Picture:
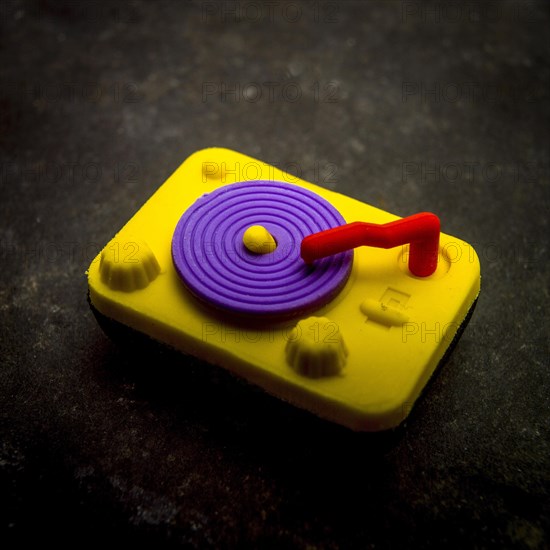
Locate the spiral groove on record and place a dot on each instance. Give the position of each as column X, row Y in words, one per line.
column 211, row 259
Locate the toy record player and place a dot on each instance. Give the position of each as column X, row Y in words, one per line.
column 326, row 302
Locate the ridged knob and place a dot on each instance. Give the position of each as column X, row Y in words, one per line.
column 128, row 264
column 316, row 348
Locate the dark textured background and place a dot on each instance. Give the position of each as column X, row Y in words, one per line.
column 408, row 106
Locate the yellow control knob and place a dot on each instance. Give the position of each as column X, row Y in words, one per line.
column 315, row 348
column 128, row 264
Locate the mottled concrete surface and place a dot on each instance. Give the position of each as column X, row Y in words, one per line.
column 408, row 106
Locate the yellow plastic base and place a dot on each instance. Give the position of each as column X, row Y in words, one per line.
column 361, row 360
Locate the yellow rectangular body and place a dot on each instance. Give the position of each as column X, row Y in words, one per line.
column 396, row 327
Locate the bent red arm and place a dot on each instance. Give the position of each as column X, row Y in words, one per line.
column 420, row 230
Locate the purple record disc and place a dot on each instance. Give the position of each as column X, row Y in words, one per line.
column 211, row 259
